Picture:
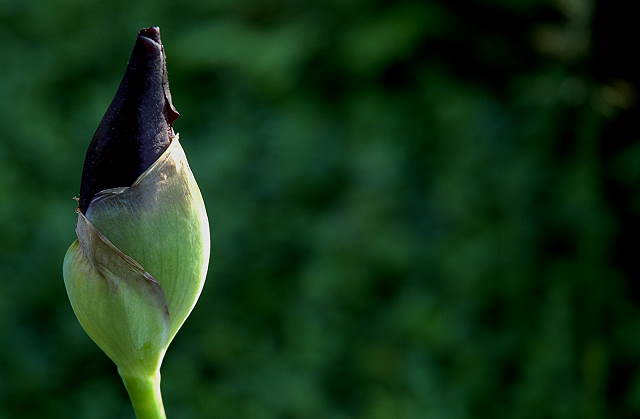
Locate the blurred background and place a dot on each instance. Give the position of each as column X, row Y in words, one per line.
column 420, row 209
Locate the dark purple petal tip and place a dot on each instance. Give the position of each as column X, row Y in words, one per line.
column 137, row 127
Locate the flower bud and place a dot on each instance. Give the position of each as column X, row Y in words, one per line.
column 139, row 263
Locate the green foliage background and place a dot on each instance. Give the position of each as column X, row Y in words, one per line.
column 412, row 213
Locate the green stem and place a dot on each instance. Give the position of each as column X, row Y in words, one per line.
column 145, row 396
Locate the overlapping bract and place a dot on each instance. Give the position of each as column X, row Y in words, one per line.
column 140, row 261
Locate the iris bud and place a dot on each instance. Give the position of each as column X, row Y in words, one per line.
column 141, row 255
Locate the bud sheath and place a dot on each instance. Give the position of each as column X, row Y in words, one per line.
column 140, row 259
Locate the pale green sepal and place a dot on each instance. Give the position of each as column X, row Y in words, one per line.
column 161, row 222
column 120, row 306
